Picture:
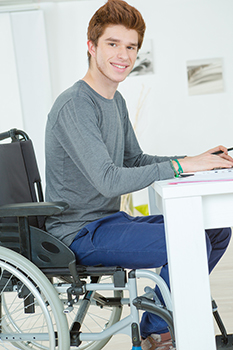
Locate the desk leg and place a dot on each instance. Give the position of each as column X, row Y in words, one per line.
column 189, row 278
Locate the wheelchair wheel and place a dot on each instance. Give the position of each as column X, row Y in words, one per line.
column 31, row 314
column 97, row 318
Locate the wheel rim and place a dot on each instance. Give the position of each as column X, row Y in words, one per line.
column 14, row 321
column 17, row 273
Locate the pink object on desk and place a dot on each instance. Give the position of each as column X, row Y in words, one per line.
column 197, row 181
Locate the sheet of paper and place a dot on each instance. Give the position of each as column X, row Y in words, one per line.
column 205, row 176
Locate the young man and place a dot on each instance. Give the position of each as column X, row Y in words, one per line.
column 93, row 157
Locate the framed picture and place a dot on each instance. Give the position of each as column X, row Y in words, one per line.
column 205, row 76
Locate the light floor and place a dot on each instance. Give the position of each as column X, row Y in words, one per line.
column 221, row 281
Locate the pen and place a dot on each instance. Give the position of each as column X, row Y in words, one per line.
column 219, row 152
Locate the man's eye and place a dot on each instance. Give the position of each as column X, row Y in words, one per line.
column 112, row 44
column 131, row 47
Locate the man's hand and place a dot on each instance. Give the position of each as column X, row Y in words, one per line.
column 207, row 161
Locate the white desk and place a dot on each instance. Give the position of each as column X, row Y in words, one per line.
column 188, row 209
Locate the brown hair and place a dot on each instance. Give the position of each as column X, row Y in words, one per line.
column 112, row 13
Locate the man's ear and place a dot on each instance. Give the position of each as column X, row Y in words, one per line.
column 91, row 48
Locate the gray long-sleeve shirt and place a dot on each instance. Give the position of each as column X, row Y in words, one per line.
column 92, row 158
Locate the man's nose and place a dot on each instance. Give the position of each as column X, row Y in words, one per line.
column 122, row 52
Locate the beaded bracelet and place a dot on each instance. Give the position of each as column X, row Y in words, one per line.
column 173, row 168
column 180, row 170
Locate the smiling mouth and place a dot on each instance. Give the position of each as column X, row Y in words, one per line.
column 118, row 66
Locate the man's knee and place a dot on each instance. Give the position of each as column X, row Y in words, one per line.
column 226, row 236
column 219, row 237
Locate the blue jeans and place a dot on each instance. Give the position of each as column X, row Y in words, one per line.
column 138, row 242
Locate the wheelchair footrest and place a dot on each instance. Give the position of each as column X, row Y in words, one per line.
column 223, row 343
column 143, row 303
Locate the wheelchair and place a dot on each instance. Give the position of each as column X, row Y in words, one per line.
column 47, row 300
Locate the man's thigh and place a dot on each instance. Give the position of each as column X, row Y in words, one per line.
column 122, row 240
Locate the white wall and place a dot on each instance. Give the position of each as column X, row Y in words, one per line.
column 25, row 78
column 170, row 121
column 33, row 75
column 10, row 104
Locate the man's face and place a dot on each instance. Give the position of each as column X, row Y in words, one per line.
column 115, row 54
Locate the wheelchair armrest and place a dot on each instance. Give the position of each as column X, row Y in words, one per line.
column 32, row 209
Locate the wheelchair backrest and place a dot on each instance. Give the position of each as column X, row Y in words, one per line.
column 20, row 183
column 20, row 180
